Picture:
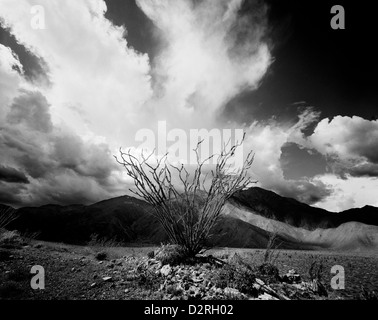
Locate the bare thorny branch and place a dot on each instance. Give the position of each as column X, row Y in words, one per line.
column 7, row 215
column 187, row 216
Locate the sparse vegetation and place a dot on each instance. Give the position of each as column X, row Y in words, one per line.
column 170, row 254
column 237, row 274
column 11, row 239
column 367, row 295
column 76, row 273
column 97, row 241
column 271, row 254
column 101, row 256
column 7, row 215
column 147, row 277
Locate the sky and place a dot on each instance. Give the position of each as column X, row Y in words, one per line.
column 99, row 72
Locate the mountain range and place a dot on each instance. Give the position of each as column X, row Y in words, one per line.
column 248, row 220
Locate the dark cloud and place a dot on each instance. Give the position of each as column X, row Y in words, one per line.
column 365, row 170
column 10, row 193
column 94, row 160
column 344, row 169
column 12, row 175
column 35, row 69
column 65, row 168
column 32, row 109
column 306, row 191
column 27, row 149
column 297, row 162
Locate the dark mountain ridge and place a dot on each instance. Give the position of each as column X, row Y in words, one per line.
column 130, row 220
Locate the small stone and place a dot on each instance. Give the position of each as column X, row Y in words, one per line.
column 291, row 277
column 166, row 270
column 73, row 269
column 131, row 277
column 196, row 280
column 218, row 290
column 266, row 296
column 93, row 284
column 107, row 279
column 231, row 291
column 256, row 286
column 127, row 290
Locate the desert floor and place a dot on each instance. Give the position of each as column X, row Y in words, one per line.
column 75, row 272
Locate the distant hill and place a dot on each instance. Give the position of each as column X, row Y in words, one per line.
column 270, row 205
column 346, row 237
column 248, row 220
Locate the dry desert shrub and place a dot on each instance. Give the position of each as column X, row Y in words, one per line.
column 97, row 241
column 10, row 239
column 236, row 273
column 187, row 205
column 170, row 254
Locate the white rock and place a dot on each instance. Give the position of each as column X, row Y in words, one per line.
column 266, row 296
column 231, row 291
column 166, row 270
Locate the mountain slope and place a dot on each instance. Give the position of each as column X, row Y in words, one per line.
column 347, row 236
column 248, row 220
column 129, row 220
column 270, row 205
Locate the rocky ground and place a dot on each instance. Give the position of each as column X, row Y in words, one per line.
column 98, row 273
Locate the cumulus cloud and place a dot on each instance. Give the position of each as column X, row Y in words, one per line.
column 60, row 137
column 102, row 91
column 350, row 145
column 267, row 140
column 347, row 137
column 212, row 52
column 57, row 165
column 354, row 192
column 96, row 78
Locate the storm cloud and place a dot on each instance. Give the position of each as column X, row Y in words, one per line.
column 57, row 141
column 12, row 175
